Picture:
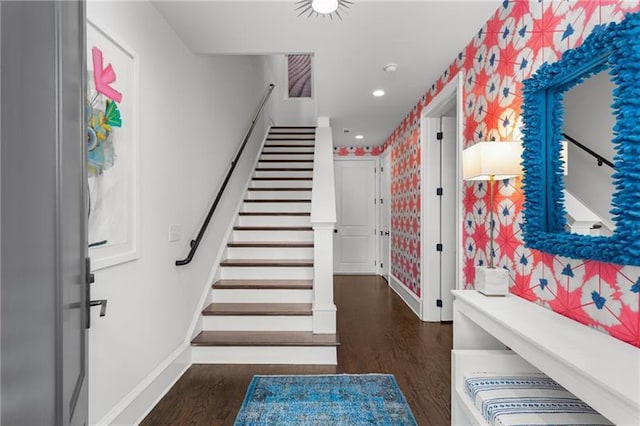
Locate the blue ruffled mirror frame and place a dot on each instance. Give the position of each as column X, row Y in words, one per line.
column 616, row 48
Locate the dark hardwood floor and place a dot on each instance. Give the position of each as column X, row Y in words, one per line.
column 378, row 334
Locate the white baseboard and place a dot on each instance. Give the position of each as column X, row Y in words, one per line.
column 318, row 355
column 134, row 407
column 405, row 294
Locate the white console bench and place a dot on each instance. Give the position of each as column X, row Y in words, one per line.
column 509, row 334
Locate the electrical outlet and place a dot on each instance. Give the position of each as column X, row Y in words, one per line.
column 175, row 233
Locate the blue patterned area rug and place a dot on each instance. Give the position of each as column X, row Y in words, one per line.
column 345, row 399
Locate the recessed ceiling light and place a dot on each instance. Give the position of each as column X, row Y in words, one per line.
column 378, row 93
column 359, row 137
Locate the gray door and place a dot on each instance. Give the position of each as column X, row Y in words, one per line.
column 43, row 214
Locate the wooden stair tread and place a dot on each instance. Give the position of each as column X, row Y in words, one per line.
column 266, row 309
column 264, row 338
column 263, row 285
column 304, row 263
column 274, row 244
column 272, row 228
column 280, row 189
column 287, row 153
column 283, row 169
column 285, row 161
column 282, row 178
column 275, row 214
column 279, row 200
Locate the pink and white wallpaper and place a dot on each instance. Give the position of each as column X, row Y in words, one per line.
column 514, row 42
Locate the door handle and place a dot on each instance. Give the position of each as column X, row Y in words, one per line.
column 103, row 305
column 386, row 232
column 335, row 231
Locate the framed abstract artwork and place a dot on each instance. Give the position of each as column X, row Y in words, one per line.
column 112, row 147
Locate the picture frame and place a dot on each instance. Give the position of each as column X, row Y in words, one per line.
column 112, row 149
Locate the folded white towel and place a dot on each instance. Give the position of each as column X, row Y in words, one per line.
column 527, row 399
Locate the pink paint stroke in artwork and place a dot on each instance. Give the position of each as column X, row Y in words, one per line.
column 103, row 77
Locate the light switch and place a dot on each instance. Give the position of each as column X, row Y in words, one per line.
column 175, row 233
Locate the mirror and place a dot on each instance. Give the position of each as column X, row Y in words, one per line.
column 587, row 132
column 549, row 115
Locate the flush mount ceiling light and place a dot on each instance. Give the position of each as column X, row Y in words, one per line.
column 378, row 93
column 390, row 68
column 322, row 7
column 359, row 137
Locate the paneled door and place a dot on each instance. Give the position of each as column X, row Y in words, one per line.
column 385, row 214
column 355, row 239
column 44, row 216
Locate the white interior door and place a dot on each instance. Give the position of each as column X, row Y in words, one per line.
column 385, row 214
column 354, row 240
column 448, row 216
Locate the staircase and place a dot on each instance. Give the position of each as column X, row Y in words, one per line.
column 260, row 308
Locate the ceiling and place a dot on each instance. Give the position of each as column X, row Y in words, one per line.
column 422, row 37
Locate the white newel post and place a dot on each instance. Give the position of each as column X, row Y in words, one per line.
column 323, row 220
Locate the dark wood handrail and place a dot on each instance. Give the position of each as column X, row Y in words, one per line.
column 601, row 160
column 195, row 243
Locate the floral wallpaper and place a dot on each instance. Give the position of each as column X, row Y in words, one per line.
column 514, row 42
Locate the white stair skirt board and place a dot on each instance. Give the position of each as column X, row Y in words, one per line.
column 267, row 273
column 285, row 165
column 322, row 355
column 280, row 173
column 285, row 156
column 272, row 235
column 282, row 253
column 268, row 220
column 262, row 296
column 298, row 194
column 292, row 206
column 257, row 323
column 281, row 184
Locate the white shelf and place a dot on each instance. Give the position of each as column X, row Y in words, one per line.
column 602, row 371
column 468, row 361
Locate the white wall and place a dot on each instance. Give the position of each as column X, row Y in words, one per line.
column 589, row 119
column 296, row 112
column 194, row 111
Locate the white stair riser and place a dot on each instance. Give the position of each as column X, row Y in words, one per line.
column 286, row 157
column 261, row 296
column 289, row 148
column 266, row 273
column 277, row 173
column 293, row 136
column 281, row 184
column 324, row 355
column 257, row 323
column 285, row 165
column 290, row 142
column 274, row 220
column 272, row 235
column 276, row 207
column 281, row 253
column 279, row 195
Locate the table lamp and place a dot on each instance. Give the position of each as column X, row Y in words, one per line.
column 491, row 161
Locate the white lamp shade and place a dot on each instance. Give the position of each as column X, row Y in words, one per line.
column 324, row 7
column 500, row 160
